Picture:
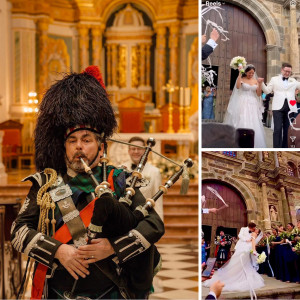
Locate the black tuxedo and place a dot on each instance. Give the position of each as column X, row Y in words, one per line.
column 210, row 297
column 281, row 126
column 206, row 51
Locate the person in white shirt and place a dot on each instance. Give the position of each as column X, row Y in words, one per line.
column 149, row 172
column 283, row 87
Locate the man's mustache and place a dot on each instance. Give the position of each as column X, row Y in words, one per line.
column 79, row 154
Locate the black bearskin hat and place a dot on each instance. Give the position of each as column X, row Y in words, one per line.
column 77, row 99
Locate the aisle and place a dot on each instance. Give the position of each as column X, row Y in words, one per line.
column 178, row 278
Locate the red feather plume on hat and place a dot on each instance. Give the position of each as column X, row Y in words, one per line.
column 95, row 72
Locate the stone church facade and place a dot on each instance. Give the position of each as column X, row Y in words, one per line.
column 259, row 186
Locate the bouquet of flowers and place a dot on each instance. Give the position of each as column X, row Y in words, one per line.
column 283, row 235
column 238, row 61
column 271, row 238
column 297, row 248
column 262, row 242
column 261, row 258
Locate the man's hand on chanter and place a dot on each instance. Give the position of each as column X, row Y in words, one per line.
column 67, row 255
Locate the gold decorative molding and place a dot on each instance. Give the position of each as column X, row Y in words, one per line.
column 55, row 60
column 100, row 11
column 134, row 67
column 42, row 31
column 83, row 32
column 97, row 44
column 160, row 63
column 122, row 66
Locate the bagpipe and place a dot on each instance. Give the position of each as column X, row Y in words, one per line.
column 118, row 212
column 113, row 217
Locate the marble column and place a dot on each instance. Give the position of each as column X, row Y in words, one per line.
column 265, row 205
column 142, row 66
column 160, row 65
column 285, row 206
column 148, row 57
column 42, row 31
column 97, row 46
column 114, row 64
column 174, row 54
column 108, row 55
column 273, row 59
column 83, row 32
column 3, row 175
column 294, row 46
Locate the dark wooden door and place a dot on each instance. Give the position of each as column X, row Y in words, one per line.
column 246, row 38
column 232, row 217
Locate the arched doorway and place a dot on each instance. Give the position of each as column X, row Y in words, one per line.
column 232, row 218
column 246, row 38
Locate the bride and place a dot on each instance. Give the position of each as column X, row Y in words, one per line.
column 239, row 273
column 245, row 107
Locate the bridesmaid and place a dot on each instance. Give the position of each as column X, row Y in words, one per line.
column 274, row 254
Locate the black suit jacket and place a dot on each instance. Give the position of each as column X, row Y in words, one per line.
column 210, row 297
column 206, row 51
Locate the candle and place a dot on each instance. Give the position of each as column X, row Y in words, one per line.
column 187, row 95
column 181, row 96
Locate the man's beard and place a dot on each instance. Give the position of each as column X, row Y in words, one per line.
column 76, row 165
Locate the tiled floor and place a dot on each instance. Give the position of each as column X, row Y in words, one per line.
column 178, row 278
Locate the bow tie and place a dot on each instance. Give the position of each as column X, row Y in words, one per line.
column 284, row 78
column 133, row 166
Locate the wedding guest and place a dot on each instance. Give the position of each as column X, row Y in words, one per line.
column 204, row 247
column 276, row 240
column 210, row 46
column 150, row 172
column 266, row 103
column 208, row 103
column 232, row 247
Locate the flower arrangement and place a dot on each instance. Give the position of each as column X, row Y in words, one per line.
column 238, row 61
column 261, row 258
column 167, row 168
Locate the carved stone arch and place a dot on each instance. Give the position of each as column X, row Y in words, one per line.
column 271, row 30
column 239, row 186
column 149, row 7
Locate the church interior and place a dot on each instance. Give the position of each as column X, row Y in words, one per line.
column 147, row 51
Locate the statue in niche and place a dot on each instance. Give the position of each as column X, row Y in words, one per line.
column 273, row 213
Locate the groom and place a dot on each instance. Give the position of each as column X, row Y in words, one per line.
column 245, row 232
column 283, row 88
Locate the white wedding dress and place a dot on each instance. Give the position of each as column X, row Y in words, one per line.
column 245, row 111
column 239, row 273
